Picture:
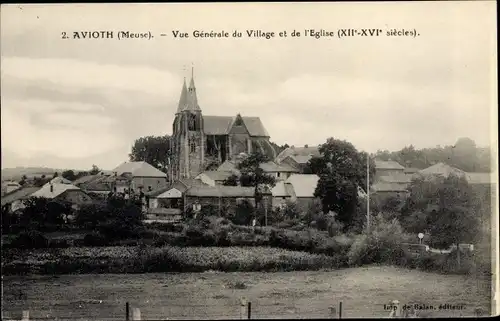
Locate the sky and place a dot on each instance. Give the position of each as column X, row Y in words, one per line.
column 71, row 103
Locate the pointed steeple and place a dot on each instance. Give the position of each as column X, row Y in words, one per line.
column 183, row 101
column 192, row 98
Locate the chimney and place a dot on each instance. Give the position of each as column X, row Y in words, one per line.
column 51, row 188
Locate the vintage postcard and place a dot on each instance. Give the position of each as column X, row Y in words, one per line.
column 249, row 160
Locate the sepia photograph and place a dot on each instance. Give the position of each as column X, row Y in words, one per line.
column 198, row 161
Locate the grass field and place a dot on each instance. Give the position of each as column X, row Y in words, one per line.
column 363, row 292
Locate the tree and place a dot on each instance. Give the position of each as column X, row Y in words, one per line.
column 252, row 175
column 446, row 207
column 56, row 174
column 154, row 150
column 69, row 175
column 41, row 212
column 95, row 170
column 231, row 181
column 341, row 170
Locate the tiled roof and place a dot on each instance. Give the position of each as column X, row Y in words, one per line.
column 19, row 194
column 379, row 164
column 480, row 178
column 388, row 187
column 221, row 125
column 57, row 189
column 308, row 151
column 442, row 169
column 217, row 175
column 221, row 191
column 304, row 185
column 139, row 169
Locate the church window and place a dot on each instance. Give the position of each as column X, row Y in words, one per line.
column 192, row 123
column 192, row 146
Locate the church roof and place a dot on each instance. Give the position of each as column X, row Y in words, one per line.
column 183, row 99
column 221, row 125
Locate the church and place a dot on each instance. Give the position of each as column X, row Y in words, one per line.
column 201, row 142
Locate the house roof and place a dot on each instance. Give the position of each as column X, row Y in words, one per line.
column 304, row 185
column 217, row 175
column 410, row 170
column 19, row 194
column 396, row 178
column 480, row 178
column 220, row 191
column 139, row 169
column 221, row 125
column 85, row 179
column 380, row 164
column 60, row 180
column 299, row 159
column 57, row 189
column 282, row 189
column 388, row 187
column 442, row 169
column 309, row 151
column 273, row 167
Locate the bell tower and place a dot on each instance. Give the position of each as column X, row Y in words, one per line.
column 188, row 139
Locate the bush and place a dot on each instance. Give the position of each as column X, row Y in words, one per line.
column 381, row 245
column 95, row 239
column 30, row 240
column 244, row 213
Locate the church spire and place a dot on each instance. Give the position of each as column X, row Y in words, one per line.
column 183, row 101
column 192, row 101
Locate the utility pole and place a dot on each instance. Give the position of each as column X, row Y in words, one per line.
column 368, row 192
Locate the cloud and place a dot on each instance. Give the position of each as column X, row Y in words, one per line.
column 83, row 75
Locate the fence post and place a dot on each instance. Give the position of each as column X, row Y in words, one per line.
column 340, row 310
column 26, row 315
column 249, row 310
column 127, row 312
column 243, row 304
column 136, row 314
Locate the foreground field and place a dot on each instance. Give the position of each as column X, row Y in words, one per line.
column 209, row 295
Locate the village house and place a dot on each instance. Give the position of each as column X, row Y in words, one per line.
column 387, row 168
column 9, row 186
column 278, row 171
column 213, row 178
column 298, row 156
column 13, row 201
column 381, row 191
column 304, row 186
column 282, row 193
column 141, row 176
column 62, row 190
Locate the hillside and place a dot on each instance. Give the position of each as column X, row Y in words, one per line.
column 17, row 172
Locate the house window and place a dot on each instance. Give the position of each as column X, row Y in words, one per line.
column 278, row 174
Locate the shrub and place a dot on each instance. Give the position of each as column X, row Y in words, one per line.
column 381, row 245
column 244, row 213
column 30, row 240
column 95, row 239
